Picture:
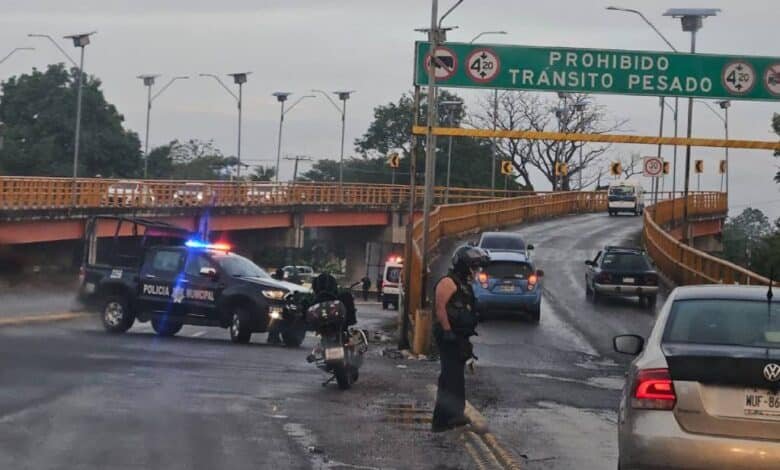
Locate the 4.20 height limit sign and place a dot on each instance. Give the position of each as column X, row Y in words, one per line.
column 601, row 71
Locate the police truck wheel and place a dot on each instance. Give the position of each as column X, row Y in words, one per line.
column 239, row 326
column 116, row 315
column 165, row 327
column 294, row 335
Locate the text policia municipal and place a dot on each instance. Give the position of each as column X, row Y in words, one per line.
column 596, row 70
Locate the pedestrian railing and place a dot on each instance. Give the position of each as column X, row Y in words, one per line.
column 681, row 263
column 34, row 193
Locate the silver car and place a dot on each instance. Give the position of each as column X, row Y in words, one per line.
column 704, row 390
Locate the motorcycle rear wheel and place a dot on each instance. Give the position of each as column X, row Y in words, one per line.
column 344, row 377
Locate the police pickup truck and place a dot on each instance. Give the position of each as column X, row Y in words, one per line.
column 150, row 271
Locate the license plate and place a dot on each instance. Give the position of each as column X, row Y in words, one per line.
column 628, row 280
column 762, row 404
column 506, row 288
column 334, row 354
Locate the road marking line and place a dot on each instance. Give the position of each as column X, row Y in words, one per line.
column 198, row 334
column 48, row 317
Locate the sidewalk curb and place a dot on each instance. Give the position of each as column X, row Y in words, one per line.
column 44, row 318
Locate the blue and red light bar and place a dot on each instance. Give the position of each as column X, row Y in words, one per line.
column 207, row 246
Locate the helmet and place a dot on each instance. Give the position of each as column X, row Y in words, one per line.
column 325, row 282
column 467, row 258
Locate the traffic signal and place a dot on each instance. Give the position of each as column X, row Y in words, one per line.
column 722, row 167
column 394, row 160
column 616, row 169
column 666, row 168
column 699, row 166
column 561, row 169
column 506, row 167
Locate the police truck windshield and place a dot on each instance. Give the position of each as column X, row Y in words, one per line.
column 238, row 266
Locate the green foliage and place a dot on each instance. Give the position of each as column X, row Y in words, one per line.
column 744, row 237
column 194, row 159
column 39, row 115
column 262, row 173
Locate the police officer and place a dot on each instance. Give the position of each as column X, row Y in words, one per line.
column 366, row 285
column 456, row 320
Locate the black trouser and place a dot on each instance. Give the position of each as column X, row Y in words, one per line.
column 451, row 395
column 365, row 294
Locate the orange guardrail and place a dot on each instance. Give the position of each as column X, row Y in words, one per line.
column 457, row 219
column 30, row 193
column 683, row 264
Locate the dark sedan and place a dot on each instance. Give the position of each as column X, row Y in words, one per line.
column 623, row 272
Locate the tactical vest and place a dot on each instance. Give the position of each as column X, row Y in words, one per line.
column 460, row 307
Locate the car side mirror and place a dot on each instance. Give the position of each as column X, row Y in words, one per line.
column 628, row 344
column 529, row 247
column 208, row 272
column 539, row 273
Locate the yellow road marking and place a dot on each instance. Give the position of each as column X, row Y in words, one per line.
column 48, row 317
column 611, row 138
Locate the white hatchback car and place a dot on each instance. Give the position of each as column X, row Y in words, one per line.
column 704, row 391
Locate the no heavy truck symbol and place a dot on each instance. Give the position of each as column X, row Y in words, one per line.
column 772, row 79
column 445, row 65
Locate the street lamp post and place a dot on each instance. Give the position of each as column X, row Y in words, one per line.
column 724, row 105
column 80, row 41
column 494, row 141
column 281, row 97
column 149, row 83
column 343, row 96
column 691, row 20
column 14, row 51
column 579, row 106
column 451, row 106
column 239, row 78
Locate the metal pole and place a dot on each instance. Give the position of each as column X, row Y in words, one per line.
column 688, row 155
column 240, row 97
column 449, row 161
column 403, row 340
column 660, row 134
column 78, row 128
column 495, row 145
column 430, row 147
column 726, row 125
column 295, row 169
column 341, row 158
column 279, row 141
column 676, row 127
column 582, row 144
column 146, row 140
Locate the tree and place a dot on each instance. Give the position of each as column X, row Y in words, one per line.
column 530, row 111
column 39, row 112
column 262, row 173
column 391, row 131
column 194, row 159
column 743, row 236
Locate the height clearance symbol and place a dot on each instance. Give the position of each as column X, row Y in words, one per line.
column 394, row 160
column 483, row 65
column 506, row 167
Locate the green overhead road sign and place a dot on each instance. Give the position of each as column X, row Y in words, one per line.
column 601, row 71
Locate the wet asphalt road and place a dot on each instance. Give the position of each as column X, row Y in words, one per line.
column 73, row 397
column 550, row 391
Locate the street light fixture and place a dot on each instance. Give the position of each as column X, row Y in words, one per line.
column 724, row 105
column 239, row 78
column 494, row 142
column 343, row 96
column 149, row 83
column 281, row 97
column 14, row 51
column 692, row 21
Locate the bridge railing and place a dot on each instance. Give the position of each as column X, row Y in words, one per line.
column 683, row 264
column 31, row 193
column 457, row 219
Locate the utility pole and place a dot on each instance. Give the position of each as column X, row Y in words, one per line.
column 296, row 159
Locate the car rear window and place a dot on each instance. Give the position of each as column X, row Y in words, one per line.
column 509, row 269
column 621, row 191
column 724, row 322
column 625, row 262
column 502, row 243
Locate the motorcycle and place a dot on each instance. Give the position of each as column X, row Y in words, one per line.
column 339, row 351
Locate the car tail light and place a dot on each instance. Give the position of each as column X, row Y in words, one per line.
column 483, row 279
column 604, row 278
column 654, row 390
column 532, row 280
column 651, row 280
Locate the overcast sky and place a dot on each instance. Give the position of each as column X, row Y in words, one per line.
column 367, row 45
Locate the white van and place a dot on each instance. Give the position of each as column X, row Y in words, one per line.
column 626, row 196
column 391, row 282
